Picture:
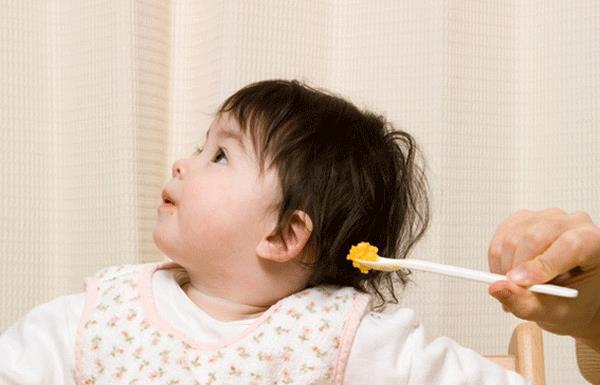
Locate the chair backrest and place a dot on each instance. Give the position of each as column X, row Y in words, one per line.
column 525, row 353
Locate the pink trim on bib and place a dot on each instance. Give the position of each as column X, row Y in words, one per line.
column 352, row 323
column 91, row 293
column 147, row 297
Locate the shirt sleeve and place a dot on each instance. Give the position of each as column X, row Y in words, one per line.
column 390, row 348
column 39, row 348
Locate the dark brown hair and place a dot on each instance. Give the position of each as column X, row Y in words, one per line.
column 349, row 170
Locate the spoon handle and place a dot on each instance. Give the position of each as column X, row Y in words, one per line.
column 390, row 264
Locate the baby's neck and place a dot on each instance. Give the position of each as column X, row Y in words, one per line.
column 220, row 308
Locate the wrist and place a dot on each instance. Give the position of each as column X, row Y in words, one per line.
column 588, row 360
column 593, row 344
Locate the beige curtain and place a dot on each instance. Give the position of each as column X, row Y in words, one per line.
column 99, row 98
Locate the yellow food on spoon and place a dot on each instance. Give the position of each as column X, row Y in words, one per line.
column 362, row 252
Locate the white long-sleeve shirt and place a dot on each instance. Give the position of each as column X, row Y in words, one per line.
column 389, row 348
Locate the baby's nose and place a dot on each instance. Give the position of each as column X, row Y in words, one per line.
column 177, row 168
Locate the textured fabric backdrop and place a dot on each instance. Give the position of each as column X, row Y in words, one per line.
column 98, row 98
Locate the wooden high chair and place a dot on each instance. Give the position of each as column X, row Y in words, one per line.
column 525, row 353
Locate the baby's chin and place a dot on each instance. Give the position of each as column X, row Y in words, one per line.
column 171, row 247
column 163, row 242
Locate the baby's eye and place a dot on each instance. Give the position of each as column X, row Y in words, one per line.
column 220, row 157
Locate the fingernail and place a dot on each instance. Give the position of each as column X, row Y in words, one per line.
column 502, row 294
column 518, row 276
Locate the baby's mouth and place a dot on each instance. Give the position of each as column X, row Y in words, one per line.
column 167, row 198
column 166, row 207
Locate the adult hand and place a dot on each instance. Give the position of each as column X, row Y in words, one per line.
column 550, row 246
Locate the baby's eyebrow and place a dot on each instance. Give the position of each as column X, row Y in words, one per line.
column 229, row 134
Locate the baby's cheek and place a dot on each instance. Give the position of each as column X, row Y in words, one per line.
column 209, row 223
column 198, row 219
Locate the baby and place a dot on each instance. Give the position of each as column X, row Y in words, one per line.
column 257, row 224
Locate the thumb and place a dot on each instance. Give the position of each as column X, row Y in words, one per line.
column 538, row 270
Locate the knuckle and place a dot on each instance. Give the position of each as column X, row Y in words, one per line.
column 536, row 235
column 554, row 211
column 581, row 216
column 546, row 267
column 572, row 242
column 511, row 242
column 495, row 250
column 523, row 213
column 594, row 234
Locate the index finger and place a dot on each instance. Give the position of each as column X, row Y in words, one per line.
column 495, row 246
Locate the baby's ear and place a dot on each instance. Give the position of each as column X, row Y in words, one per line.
column 287, row 244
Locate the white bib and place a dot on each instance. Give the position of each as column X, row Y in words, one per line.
column 302, row 339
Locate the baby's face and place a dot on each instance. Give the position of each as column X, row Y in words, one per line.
column 223, row 207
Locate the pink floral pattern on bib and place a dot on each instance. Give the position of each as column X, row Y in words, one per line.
column 303, row 339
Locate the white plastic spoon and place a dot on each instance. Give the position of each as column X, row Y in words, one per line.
column 390, row 264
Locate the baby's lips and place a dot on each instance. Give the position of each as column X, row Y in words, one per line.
column 167, row 197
